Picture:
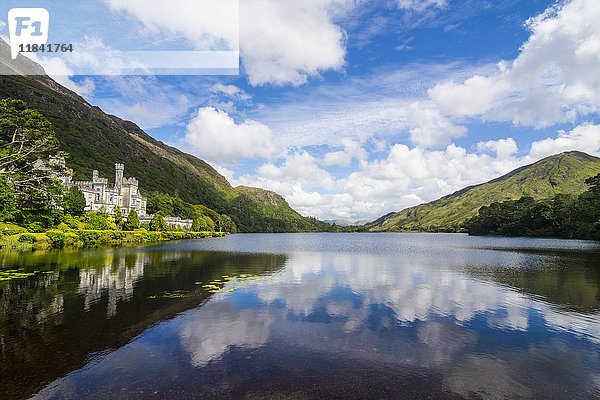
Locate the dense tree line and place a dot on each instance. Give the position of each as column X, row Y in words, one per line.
column 563, row 216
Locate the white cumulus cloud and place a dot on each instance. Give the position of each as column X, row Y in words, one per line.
column 209, row 24
column 554, row 79
column 585, row 137
column 214, row 136
column 343, row 158
column 281, row 42
column 285, row 42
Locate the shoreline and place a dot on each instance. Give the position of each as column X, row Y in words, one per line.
column 80, row 239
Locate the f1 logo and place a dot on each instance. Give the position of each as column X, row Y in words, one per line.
column 27, row 26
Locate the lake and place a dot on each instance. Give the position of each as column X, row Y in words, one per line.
column 304, row 316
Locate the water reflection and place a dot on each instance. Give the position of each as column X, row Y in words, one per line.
column 115, row 278
column 93, row 301
column 344, row 316
column 483, row 338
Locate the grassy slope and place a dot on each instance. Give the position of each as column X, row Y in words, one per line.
column 561, row 173
column 96, row 140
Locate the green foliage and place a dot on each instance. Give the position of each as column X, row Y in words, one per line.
column 226, row 224
column 199, row 225
column 594, row 184
column 64, row 227
column 8, row 229
column 97, row 222
column 118, row 215
column 559, row 174
column 35, row 227
column 56, row 239
column 204, row 218
column 40, row 206
column 158, row 222
column 24, row 135
column 71, row 222
column 562, row 216
column 133, row 222
column 26, row 238
column 29, row 195
column 7, row 200
column 210, row 224
column 170, row 206
column 74, row 202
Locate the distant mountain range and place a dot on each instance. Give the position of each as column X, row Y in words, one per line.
column 345, row 222
column 562, row 173
column 96, row 140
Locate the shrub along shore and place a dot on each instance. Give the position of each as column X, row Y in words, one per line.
column 18, row 239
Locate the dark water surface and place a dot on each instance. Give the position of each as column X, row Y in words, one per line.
column 303, row 316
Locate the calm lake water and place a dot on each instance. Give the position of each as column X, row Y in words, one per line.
column 303, row 316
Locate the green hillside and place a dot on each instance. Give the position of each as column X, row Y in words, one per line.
column 562, row 173
column 96, row 140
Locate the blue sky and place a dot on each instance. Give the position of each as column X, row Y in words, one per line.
column 353, row 108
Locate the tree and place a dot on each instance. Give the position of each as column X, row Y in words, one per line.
column 158, row 222
column 199, row 224
column 209, row 223
column 7, row 200
column 118, row 216
column 225, row 223
column 103, row 211
column 133, row 222
column 25, row 136
column 98, row 222
column 37, row 205
column 594, row 184
column 74, row 202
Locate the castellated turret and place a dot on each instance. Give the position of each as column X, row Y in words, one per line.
column 130, row 181
column 97, row 180
column 119, row 176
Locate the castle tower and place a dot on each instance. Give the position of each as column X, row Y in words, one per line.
column 119, row 176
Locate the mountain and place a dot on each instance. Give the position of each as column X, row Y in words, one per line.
column 339, row 222
column 562, row 173
column 345, row 222
column 96, row 140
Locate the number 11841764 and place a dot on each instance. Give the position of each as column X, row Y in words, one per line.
column 46, row 48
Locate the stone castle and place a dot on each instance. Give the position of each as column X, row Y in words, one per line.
column 99, row 195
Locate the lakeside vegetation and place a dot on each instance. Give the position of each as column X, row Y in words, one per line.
column 562, row 216
column 59, row 239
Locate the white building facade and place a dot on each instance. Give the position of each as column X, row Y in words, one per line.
column 99, row 195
